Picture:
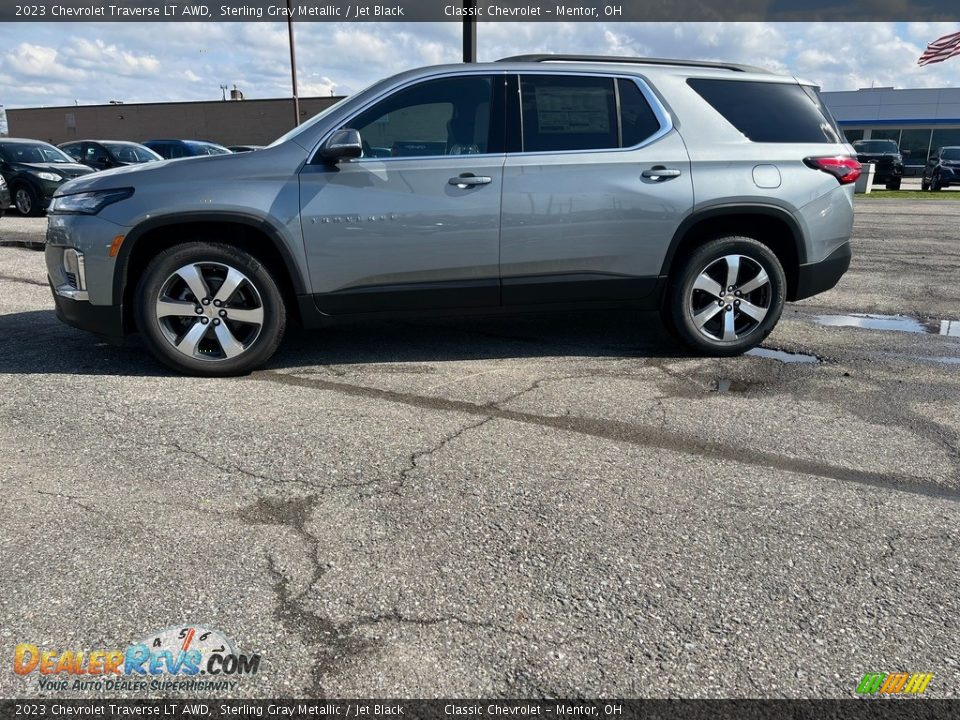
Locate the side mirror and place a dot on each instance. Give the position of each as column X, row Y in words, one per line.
column 342, row 145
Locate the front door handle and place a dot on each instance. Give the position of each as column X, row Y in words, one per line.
column 469, row 179
column 659, row 172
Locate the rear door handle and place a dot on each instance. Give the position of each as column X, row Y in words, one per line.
column 469, row 179
column 659, row 172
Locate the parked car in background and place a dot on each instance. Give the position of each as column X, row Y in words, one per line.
column 886, row 158
column 33, row 170
column 510, row 185
column 244, row 148
column 942, row 169
column 173, row 149
column 106, row 154
column 4, row 196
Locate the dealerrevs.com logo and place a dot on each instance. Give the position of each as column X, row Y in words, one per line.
column 190, row 658
column 894, row 683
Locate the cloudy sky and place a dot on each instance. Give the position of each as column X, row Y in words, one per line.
column 64, row 63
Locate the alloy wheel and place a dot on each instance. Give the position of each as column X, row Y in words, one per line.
column 23, row 201
column 209, row 311
column 730, row 298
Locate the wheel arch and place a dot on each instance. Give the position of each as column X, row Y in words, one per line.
column 771, row 225
column 249, row 233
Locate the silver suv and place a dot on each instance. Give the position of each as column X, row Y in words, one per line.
column 711, row 192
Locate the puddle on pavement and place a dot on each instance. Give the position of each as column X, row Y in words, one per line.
column 726, row 385
column 782, row 355
column 897, row 323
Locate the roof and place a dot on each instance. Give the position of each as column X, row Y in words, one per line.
column 633, row 60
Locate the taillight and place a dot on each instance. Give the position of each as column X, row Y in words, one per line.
column 845, row 169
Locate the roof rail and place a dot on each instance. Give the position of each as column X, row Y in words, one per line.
column 633, row 60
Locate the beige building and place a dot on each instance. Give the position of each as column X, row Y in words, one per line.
column 230, row 122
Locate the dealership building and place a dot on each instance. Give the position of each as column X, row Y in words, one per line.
column 229, row 122
column 920, row 121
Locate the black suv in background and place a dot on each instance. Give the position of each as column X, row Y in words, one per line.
column 106, row 154
column 942, row 170
column 886, row 157
column 33, row 171
column 172, row 149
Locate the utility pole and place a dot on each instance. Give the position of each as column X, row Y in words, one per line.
column 293, row 66
column 469, row 31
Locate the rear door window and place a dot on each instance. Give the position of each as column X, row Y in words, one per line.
column 769, row 112
column 561, row 113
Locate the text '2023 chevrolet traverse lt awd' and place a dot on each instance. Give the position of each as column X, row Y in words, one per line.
column 712, row 192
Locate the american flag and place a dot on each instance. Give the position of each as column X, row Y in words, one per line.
column 941, row 49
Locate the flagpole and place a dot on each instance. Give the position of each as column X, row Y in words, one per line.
column 293, row 66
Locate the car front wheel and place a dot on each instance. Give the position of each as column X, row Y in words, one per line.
column 727, row 297
column 209, row 309
column 26, row 201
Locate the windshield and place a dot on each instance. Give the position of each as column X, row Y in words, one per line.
column 950, row 154
column 876, row 146
column 200, row 148
column 308, row 124
column 34, row 153
column 128, row 153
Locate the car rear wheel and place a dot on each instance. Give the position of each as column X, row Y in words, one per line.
column 727, row 297
column 209, row 309
column 25, row 201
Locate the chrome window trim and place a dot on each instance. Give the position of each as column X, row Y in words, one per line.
column 660, row 111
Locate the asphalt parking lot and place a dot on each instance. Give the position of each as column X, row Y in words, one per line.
column 533, row 506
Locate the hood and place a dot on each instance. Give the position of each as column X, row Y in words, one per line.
column 160, row 170
column 67, row 170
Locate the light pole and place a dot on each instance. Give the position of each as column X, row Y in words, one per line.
column 293, row 65
column 469, row 31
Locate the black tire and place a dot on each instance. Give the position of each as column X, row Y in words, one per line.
column 924, row 185
column 684, row 300
column 894, row 184
column 26, row 202
column 258, row 293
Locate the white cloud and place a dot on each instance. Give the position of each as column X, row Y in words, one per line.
column 58, row 63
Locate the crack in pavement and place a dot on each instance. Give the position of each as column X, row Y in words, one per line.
column 25, row 281
column 395, row 616
column 329, row 641
column 620, row 431
column 75, row 499
column 229, row 469
column 416, row 456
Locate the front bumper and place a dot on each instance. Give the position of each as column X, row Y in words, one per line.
column 100, row 319
column 949, row 174
column 815, row 278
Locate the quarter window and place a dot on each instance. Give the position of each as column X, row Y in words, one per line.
column 449, row 116
column 639, row 121
column 769, row 112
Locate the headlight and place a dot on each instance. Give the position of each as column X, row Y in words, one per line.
column 87, row 203
column 52, row 177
